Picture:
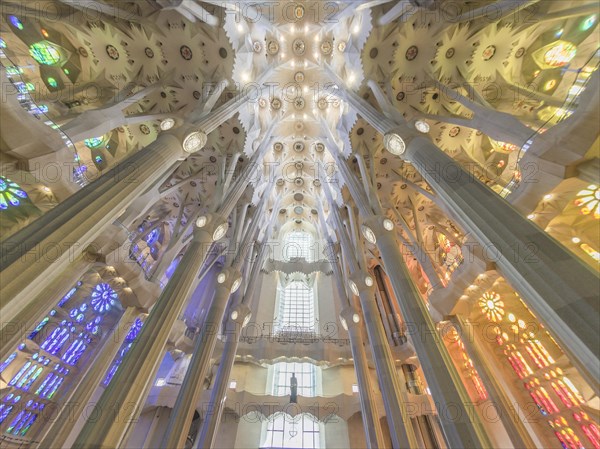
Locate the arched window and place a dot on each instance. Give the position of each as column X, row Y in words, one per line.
column 298, row 244
column 296, row 308
column 285, row 431
column 305, row 373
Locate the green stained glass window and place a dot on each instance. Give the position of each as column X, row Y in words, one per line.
column 45, row 53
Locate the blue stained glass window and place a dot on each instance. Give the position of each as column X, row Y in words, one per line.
column 103, row 298
column 38, row 328
column 22, row 416
column 26, row 383
column 27, row 424
column 44, row 384
column 74, row 352
column 53, row 387
column 4, row 412
column 11, row 193
column 68, row 296
column 15, row 379
column 15, row 22
column 55, row 341
column 134, row 331
column 152, row 237
column 8, row 361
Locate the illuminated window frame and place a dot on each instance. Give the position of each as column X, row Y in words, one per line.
column 296, row 309
column 283, row 431
column 306, row 374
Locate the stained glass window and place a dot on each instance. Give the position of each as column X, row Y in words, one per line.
column 15, row 22
column 103, row 298
column 560, row 54
column 8, row 361
column 134, row 331
column 85, row 313
column 589, row 201
column 492, row 306
column 45, row 53
column 94, row 142
column 11, row 193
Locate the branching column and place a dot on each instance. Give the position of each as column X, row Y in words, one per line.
column 394, row 395
column 517, row 432
column 228, row 281
column 368, row 404
column 560, row 289
column 238, row 318
column 64, row 422
column 459, row 422
column 121, row 402
column 46, row 246
column 182, row 414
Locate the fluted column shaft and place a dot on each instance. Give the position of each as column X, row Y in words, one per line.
column 45, row 247
column 29, row 315
column 368, row 404
column 464, row 429
column 394, row 400
column 183, row 412
column 517, row 432
column 63, row 424
column 126, row 393
column 212, row 418
column 553, row 282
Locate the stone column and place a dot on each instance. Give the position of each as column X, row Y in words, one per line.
column 176, row 433
column 126, row 394
column 28, row 316
column 368, row 404
column 394, row 395
column 560, row 289
column 74, row 406
column 235, row 323
column 461, row 426
column 518, row 434
column 46, row 246
column 239, row 316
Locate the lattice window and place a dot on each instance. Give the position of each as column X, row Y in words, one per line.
column 296, row 309
column 301, row 431
column 306, row 374
column 298, row 244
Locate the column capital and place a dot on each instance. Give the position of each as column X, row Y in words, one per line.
column 213, row 224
